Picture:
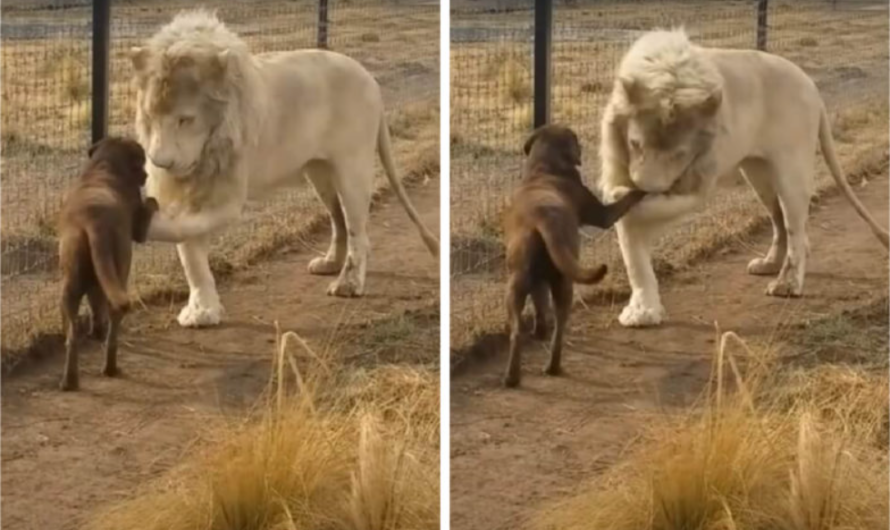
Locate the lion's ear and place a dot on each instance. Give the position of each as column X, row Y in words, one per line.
column 712, row 104
column 220, row 63
column 527, row 148
column 139, row 58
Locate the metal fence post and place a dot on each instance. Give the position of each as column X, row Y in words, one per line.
column 322, row 23
column 101, row 43
column 762, row 8
column 542, row 73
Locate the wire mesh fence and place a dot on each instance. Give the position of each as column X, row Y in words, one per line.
column 843, row 45
column 46, row 72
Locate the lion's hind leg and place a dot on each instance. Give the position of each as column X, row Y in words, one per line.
column 794, row 190
column 355, row 183
column 763, row 179
column 321, row 175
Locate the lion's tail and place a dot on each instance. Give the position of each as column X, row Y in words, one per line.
column 562, row 257
column 102, row 253
column 827, row 144
column 384, row 145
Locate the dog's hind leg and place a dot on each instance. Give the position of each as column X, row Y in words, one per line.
column 114, row 324
column 321, row 175
column 517, row 292
column 563, row 290
column 70, row 302
column 98, row 312
column 541, row 300
column 115, row 317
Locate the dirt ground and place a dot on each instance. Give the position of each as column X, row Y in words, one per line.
column 512, row 450
column 64, row 455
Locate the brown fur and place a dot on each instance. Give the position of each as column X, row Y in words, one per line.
column 102, row 215
column 541, row 234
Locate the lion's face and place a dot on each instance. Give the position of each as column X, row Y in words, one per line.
column 663, row 139
column 659, row 154
column 177, row 112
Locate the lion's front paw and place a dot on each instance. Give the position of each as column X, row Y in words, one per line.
column 638, row 315
column 784, row 288
column 763, row 267
column 323, row 266
column 196, row 315
column 346, row 288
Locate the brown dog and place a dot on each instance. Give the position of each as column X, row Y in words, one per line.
column 102, row 214
column 541, row 234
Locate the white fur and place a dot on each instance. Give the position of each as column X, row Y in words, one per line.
column 255, row 123
column 743, row 111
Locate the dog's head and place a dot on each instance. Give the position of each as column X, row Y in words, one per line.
column 125, row 156
column 554, row 147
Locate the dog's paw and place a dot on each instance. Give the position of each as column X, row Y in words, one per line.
column 762, row 267
column 638, row 315
column 552, row 370
column 322, row 266
column 195, row 315
column 511, row 380
column 784, row 288
column 69, row 384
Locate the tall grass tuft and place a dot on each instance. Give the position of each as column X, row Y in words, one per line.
column 329, row 450
column 753, row 459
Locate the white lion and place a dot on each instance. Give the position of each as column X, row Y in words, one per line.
column 221, row 125
column 680, row 118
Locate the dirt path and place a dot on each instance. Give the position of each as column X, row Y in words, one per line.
column 513, row 450
column 64, row 455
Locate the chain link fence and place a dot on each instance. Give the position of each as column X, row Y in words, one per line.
column 842, row 44
column 46, row 119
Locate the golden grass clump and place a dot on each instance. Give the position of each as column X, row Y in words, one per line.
column 351, row 451
column 752, row 460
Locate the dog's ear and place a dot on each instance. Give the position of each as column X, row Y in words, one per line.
column 575, row 149
column 527, row 148
column 95, row 146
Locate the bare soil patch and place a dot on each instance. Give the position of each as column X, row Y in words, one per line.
column 515, row 450
column 66, row 455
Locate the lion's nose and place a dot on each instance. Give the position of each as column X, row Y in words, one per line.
column 162, row 163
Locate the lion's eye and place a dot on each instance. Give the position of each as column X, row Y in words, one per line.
column 186, row 120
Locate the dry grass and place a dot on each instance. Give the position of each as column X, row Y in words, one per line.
column 331, row 449
column 786, row 449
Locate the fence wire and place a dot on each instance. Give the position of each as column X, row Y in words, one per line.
column 46, row 56
column 842, row 44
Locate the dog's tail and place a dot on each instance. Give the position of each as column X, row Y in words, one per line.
column 559, row 250
column 103, row 254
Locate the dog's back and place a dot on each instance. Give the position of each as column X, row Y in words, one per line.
column 94, row 243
